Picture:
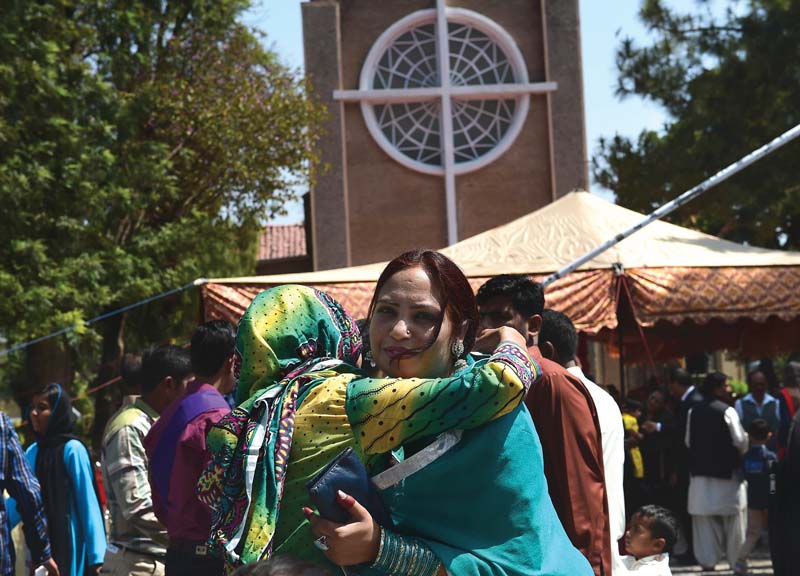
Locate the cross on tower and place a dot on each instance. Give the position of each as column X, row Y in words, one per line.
column 436, row 92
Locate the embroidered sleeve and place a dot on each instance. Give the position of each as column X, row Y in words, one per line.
column 386, row 413
column 405, row 556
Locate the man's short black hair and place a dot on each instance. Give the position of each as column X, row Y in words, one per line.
column 662, row 524
column 791, row 374
column 712, row 382
column 759, row 429
column 282, row 566
column 527, row 296
column 559, row 330
column 681, row 376
column 130, row 371
column 212, row 345
column 697, row 362
column 161, row 361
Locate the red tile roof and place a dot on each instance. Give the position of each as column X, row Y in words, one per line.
column 279, row 241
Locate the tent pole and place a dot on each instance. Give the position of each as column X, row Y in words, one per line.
column 621, row 360
column 624, row 281
column 619, row 271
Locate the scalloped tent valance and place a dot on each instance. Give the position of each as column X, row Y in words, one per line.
column 732, row 296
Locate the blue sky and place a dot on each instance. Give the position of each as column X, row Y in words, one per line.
column 603, row 25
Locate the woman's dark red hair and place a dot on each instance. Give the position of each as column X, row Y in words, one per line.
column 459, row 299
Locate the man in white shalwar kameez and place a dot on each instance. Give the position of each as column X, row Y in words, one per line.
column 558, row 341
column 717, row 490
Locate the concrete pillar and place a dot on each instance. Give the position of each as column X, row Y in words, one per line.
column 329, row 210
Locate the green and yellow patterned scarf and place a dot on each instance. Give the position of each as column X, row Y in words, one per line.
column 289, row 337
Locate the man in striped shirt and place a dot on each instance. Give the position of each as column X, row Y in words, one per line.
column 137, row 541
column 18, row 480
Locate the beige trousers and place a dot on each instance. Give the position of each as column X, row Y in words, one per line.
column 756, row 522
column 127, row 562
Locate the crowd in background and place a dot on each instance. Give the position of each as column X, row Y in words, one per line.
column 712, row 459
column 204, row 465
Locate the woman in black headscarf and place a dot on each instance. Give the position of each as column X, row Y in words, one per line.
column 64, row 470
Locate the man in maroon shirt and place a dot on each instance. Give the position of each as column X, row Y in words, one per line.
column 565, row 418
column 176, row 448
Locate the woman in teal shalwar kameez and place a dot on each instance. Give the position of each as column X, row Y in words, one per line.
column 481, row 508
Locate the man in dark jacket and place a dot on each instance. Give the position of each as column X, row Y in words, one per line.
column 685, row 396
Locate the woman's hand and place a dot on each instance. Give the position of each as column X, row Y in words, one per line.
column 356, row 542
column 489, row 339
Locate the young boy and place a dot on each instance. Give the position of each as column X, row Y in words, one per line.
column 649, row 540
column 631, row 413
column 757, row 464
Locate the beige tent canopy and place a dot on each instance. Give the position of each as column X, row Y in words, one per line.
column 668, row 275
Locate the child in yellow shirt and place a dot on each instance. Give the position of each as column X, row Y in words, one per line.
column 630, row 421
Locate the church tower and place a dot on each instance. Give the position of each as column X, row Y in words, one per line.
column 445, row 118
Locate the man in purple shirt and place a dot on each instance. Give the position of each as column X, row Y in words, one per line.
column 176, row 448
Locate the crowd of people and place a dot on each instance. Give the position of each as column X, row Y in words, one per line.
column 713, row 461
column 489, row 449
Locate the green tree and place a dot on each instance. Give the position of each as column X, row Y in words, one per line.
column 142, row 145
column 729, row 84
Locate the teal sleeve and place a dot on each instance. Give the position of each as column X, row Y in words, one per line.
column 12, row 514
column 388, row 412
column 89, row 517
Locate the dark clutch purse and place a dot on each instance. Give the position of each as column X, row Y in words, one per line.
column 345, row 473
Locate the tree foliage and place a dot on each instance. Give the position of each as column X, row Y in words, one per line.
column 730, row 83
column 142, row 145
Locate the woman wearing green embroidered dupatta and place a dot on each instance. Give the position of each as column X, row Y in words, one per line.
column 303, row 401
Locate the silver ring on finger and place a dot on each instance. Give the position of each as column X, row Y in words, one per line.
column 322, row 543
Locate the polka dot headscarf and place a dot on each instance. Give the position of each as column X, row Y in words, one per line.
column 287, row 327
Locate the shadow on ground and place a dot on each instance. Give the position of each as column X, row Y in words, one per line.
column 759, row 564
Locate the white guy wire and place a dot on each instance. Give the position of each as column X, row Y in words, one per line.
column 687, row 196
